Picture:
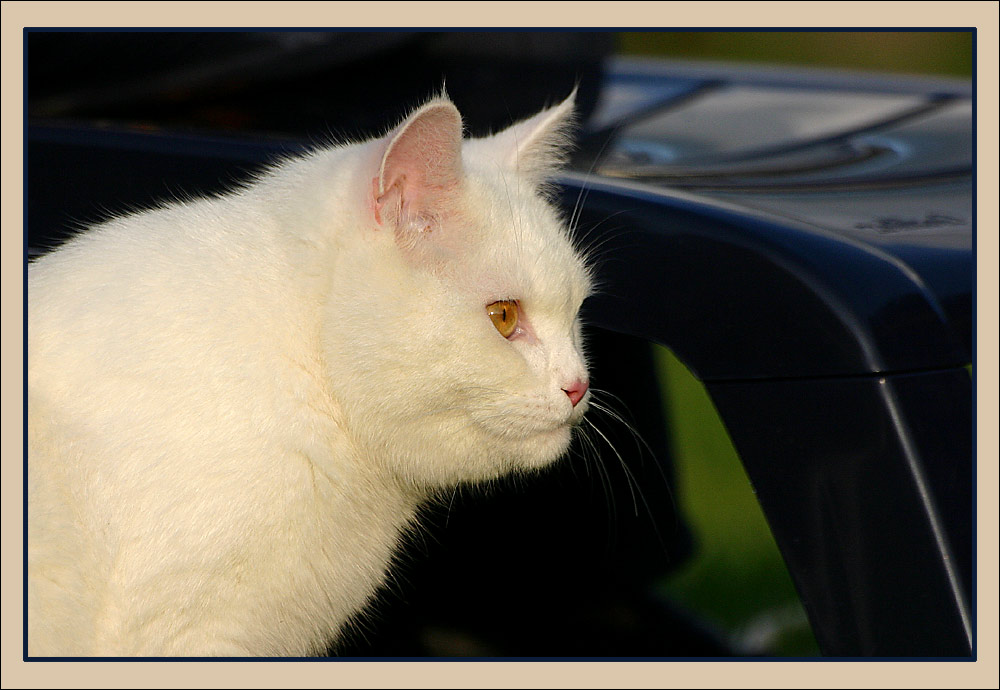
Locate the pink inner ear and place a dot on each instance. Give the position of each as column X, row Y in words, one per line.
column 421, row 167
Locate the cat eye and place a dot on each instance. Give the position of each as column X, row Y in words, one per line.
column 504, row 316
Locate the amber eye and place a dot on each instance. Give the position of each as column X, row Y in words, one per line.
column 504, row 316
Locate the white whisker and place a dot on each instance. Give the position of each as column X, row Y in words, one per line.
column 631, row 478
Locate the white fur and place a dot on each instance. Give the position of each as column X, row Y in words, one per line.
column 237, row 404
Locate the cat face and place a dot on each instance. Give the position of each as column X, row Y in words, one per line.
column 453, row 333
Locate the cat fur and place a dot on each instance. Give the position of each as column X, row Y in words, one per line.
column 237, row 404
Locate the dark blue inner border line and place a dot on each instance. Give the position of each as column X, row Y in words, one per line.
column 974, row 367
column 973, row 598
column 24, row 348
column 509, row 659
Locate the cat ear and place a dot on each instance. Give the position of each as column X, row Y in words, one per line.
column 538, row 147
column 420, row 171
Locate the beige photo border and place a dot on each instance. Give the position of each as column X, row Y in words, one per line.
column 488, row 674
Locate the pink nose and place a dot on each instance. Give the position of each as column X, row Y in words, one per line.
column 577, row 391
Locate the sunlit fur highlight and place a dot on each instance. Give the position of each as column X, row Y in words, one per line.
column 237, row 404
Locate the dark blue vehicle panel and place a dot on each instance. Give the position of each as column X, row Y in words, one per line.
column 806, row 247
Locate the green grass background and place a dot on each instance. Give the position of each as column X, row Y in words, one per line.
column 916, row 52
column 737, row 579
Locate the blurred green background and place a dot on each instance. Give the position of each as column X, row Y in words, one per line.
column 738, row 580
column 916, row 52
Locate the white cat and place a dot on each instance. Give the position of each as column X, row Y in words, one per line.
column 236, row 404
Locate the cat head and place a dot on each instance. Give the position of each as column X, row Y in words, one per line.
column 452, row 330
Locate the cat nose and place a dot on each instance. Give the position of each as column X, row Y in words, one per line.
column 576, row 391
